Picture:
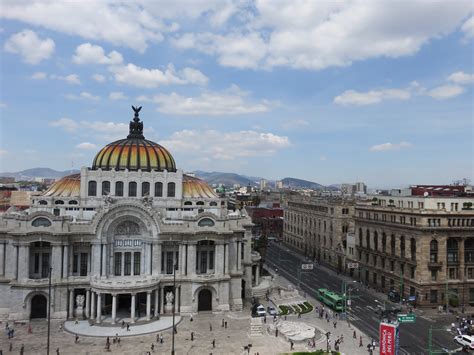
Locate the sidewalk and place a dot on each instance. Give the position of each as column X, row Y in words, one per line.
column 349, row 346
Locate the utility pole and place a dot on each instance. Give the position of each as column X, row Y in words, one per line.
column 401, row 286
column 446, row 295
column 49, row 310
column 175, row 266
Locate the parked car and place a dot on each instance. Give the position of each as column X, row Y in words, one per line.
column 271, row 311
column 465, row 341
column 394, row 296
column 258, row 311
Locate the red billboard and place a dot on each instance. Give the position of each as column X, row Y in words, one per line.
column 388, row 339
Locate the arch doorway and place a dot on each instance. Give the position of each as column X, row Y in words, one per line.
column 205, row 300
column 38, row 307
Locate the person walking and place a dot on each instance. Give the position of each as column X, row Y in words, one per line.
column 76, row 340
column 161, row 339
column 222, row 322
column 22, row 349
column 210, row 327
column 213, row 343
column 152, row 347
column 192, row 336
column 291, row 345
column 57, row 351
column 354, row 335
column 360, row 342
column 225, row 324
column 158, row 338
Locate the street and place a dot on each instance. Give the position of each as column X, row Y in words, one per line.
column 413, row 336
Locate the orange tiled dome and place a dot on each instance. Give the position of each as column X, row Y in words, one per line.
column 68, row 186
column 134, row 153
column 196, row 188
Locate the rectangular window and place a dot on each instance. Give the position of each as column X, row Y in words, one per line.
column 470, row 273
column 83, row 268
column 433, row 296
column 211, row 260
column 127, row 264
column 392, row 266
column 119, row 188
column 453, row 273
column 203, row 263
column 75, row 263
column 471, row 295
column 434, row 275
column 136, row 263
column 169, row 262
column 45, row 265
column 163, row 261
column 118, row 264
column 412, row 272
column 37, row 261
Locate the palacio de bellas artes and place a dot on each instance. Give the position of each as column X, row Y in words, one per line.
column 112, row 239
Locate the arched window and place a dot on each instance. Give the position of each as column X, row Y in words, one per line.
column 43, row 202
column 452, row 250
column 105, row 188
column 392, row 244
column 171, row 189
column 434, row 251
column 213, row 203
column 360, row 236
column 119, row 188
column 376, row 241
column 59, row 202
column 158, row 189
column 200, row 203
column 206, row 222
column 367, row 238
column 402, row 246
column 73, row 202
column 41, row 222
column 188, row 203
column 384, row 242
column 92, row 188
column 413, row 249
column 132, row 189
column 145, row 189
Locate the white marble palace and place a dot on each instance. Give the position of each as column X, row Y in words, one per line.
column 111, row 236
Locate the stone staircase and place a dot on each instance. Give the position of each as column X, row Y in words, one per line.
column 256, row 327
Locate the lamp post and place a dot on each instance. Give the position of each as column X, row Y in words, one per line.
column 49, row 310
column 175, row 266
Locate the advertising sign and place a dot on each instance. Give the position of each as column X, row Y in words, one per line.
column 307, row 266
column 389, row 339
column 352, row 265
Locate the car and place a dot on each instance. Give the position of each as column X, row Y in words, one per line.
column 394, row 296
column 260, row 311
column 271, row 311
column 465, row 341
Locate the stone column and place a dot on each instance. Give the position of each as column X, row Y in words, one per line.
column 114, row 308
column 23, row 262
column 177, row 298
column 92, row 314
column 156, row 303
column 56, row 262
column 96, row 259
column 257, row 274
column 147, row 259
column 148, row 305
column 88, row 303
column 132, row 308
column 219, row 259
column 65, row 261
column 99, row 308
column 104, row 260
column 182, row 259
column 156, row 259
column 239, row 245
column 2, row 258
column 161, row 300
column 71, row 303
column 191, row 259
column 226, row 258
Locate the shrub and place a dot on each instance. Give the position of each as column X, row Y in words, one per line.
column 283, row 310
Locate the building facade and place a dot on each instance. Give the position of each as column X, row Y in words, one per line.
column 318, row 227
column 418, row 246
column 113, row 236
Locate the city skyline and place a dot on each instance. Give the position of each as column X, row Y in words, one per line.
column 326, row 92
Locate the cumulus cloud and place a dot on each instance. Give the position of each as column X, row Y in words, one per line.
column 82, row 96
column 117, row 96
column 70, row 79
column 3, row 105
column 3, row 152
column 231, row 102
column 65, row 123
column 294, row 124
column 134, row 75
column 389, row 146
column 39, row 75
column 86, row 146
column 29, row 46
column 444, row 92
column 88, row 53
column 99, row 78
column 352, row 97
column 460, row 77
column 100, row 130
column 468, row 28
column 226, row 145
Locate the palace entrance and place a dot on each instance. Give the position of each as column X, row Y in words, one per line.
column 205, row 300
column 38, row 307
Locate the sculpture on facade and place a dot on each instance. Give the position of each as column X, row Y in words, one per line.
column 79, row 306
column 169, row 298
column 147, row 202
column 108, row 200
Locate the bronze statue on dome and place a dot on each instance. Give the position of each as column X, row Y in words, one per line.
column 136, row 126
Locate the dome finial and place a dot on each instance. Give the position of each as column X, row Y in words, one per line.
column 136, row 127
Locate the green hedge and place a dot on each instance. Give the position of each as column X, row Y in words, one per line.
column 317, row 352
column 306, row 307
column 283, row 310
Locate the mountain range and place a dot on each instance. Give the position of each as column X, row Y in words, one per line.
column 214, row 177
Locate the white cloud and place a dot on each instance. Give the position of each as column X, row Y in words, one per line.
column 225, row 145
column 460, row 77
column 352, row 97
column 88, row 53
column 133, row 75
column 292, row 124
column 86, row 146
column 39, row 75
column 468, row 28
column 319, row 34
column 99, row 78
column 3, row 152
column 82, row 96
column 323, row 158
column 231, row 102
column 117, row 96
column 27, row 44
column 70, row 79
column 3, row 105
column 389, row 146
column 445, row 92
column 65, row 123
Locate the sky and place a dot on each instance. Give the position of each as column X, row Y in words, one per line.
column 328, row 91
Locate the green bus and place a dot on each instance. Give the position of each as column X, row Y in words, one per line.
column 331, row 299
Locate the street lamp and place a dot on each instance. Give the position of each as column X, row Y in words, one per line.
column 175, row 267
column 328, row 334
column 49, row 310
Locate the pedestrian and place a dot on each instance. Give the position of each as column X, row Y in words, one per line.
column 175, row 330
column 222, row 322
column 118, row 341
column 299, row 314
column 213, row 343
column 225, row 324
column 334, row 323
column 291, row 345
column 76, row 339
column 192, row 336
column 161, row 338
column 57, row 351
column 152, row 347
column 285, row 316
column 157, row 338
column 360, row 341
column 354, row 335
column 76, row 322
column 191, row 318
column 210, row 327
column 123, row 324
column 128, row 327
column 276, row 332
column 22, row 349
column 107, row 341
column 60, row 328
column 11, row 347
column 265, row 319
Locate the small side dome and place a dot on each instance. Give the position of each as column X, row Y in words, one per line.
column 68, row 186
